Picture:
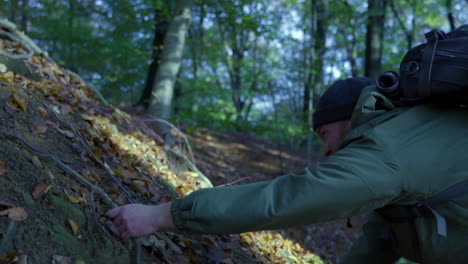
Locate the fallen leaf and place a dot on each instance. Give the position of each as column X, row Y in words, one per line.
column 42, row 111
column 87, row 117
column 96, row 176
column 36, row 162
column 17, row 214
column 72, row 199
column 74, row 227
column 75, row 200
column 138, row 186
column 191, row 174
column 40, row 190
column 12, row 104
column 20, row 102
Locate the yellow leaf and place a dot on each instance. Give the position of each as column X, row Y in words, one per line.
column 87, row 117
column 42, row 111
column 138, row 186
column 75, row 200
column 96, row 176
column 7, row 77
column 191, row 174
column 74, row 227
column 20, row 102
column 11, row 103
column 72, row 199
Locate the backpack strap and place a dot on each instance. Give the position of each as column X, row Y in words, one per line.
column 432, row 38
column 395, row 213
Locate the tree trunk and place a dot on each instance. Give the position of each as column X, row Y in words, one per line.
column 24, row 16
column 319, row 29
column 171, row 56
column 13, row 11
column 451, row 19
column 374, row 37
column 161, row 23
column 71, row 36
column 195, row 35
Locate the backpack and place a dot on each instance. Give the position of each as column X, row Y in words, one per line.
column 435, row 72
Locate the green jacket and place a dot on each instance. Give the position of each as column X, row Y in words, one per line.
column 391, row 155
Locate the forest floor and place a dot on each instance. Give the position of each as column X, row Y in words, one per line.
column 239, row 158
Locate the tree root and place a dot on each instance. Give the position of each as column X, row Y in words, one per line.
column 155, row 119
column 23, row 39
column 64, row 167
column 16, row 56
column 207, row 183
column 77, row 177
column 79, row 137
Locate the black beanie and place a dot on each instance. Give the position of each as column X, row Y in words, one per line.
column 338, row 101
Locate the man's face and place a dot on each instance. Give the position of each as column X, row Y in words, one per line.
column 332, row 134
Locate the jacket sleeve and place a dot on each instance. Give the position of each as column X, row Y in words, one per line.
column 356, row 179
column 370, row 248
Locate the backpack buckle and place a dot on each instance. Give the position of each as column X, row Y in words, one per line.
column 434, row 35
column 431, row 36
column 419, row 210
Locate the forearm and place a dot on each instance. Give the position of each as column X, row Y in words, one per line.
column 163, row 216
column 286, row 201
column 361, row 178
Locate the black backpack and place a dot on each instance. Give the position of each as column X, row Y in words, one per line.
column 436, row 71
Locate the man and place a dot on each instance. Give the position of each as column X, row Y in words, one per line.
column 378, row 155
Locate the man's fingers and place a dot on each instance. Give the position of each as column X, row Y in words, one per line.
column 114, row 229
column 113, row 212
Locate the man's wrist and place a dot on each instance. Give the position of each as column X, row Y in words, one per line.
column 163, row 216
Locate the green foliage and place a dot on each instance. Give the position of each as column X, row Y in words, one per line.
column 256, row 50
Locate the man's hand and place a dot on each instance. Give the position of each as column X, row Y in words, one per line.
column 133, row 220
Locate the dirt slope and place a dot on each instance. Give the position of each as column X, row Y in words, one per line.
column 66, row 157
